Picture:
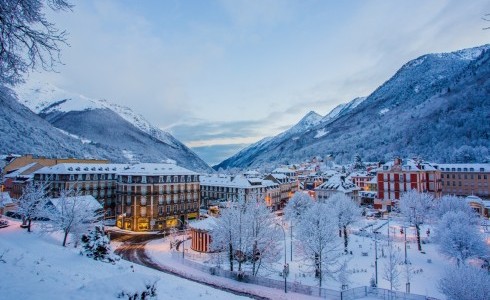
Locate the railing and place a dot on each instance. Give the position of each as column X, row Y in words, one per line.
column 379, row 293
column 296, row 287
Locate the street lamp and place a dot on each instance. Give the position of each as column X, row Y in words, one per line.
column 183, row 237
column 285, row 270
column 376, row 257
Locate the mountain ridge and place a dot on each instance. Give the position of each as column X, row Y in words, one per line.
column 407, row 115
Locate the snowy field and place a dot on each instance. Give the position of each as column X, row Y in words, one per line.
column 426, row 267
column 35, row 266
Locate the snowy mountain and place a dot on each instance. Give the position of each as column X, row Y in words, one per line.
column 256, row 150
column 435, row 107
column 25, row 132
column 342, row 109
column 118, row 133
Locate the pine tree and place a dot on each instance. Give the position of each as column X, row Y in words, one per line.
column 96, row 245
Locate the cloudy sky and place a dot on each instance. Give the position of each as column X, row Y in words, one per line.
column 221, row 74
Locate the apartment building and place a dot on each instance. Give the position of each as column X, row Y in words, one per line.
column 399, row 176
column 97, row 180
column 223, row 188
column 156, row 197
column 465, row 179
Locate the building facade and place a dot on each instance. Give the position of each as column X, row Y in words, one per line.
column 465, row 179
column 97, row 180
column 395, row 178
column 221, row 188
column 156, row 197
column 337, row 184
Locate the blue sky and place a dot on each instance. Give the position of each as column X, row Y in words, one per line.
column 221, row 74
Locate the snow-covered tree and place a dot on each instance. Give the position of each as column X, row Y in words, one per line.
column 317, row 238
column 450, row 203
column 96, row 244
column 263, row 245
column 465, row 283
column 391, row 271
column 71, row 213
column 224, row 233
column 246, row 231
column 416, row 207
column 30, row 205
column 28, row 39
column 459, row 238
column 297, row 205
column 358, row 164
column 346, row 212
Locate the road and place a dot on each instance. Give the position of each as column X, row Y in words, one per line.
column 132, row 249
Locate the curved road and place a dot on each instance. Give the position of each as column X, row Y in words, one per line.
column 133, row 250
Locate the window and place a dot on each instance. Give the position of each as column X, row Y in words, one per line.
column 143, row 179
column 143, row 211
column 72, row 177
column 143, row 200
column 160, row 199
column 128, row 200
column 160, row 210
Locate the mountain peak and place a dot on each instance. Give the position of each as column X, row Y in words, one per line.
column 311, row 118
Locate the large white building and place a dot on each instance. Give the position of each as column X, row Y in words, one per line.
column 223, row 188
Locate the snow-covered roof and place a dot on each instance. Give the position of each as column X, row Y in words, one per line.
column 91, row 202
column 283, row 170
column 339, row 184
column 238, row 181
column 81, row 168
column 207, row 224
column 463, row 167
column 22, row 170
column 155, row 169
column 407, row 165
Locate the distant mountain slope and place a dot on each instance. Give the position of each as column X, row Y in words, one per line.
column 257, row 150
column 124, row 135
column 25, row 132
column 436, row 107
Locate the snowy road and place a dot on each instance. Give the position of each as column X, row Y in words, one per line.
column 131, row 247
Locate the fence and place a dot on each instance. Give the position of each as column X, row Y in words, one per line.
column 364, row 291
column 350, row 294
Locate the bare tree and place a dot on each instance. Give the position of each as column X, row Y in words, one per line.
column 27, row 38
column 392, row 271
column 318, row 241
column 298, row 204
column 72, row 213
column 416, row 209
column 264, row 233
column 346, row 212
column 31, row 203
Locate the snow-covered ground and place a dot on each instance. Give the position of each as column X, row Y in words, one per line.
column 35, row 266
column 160, row 252
column 427, row 267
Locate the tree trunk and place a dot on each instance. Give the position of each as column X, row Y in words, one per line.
column 231, row 256
column 417, row 227
column 253, row 258
column 346, row 239
column 65, row 238
column 29, row 225
column 317, row 266
column 340, row 231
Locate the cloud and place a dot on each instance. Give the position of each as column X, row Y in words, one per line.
column 213, row 155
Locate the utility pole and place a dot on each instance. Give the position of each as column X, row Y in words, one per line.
column 376, row 257
column 291, row 252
